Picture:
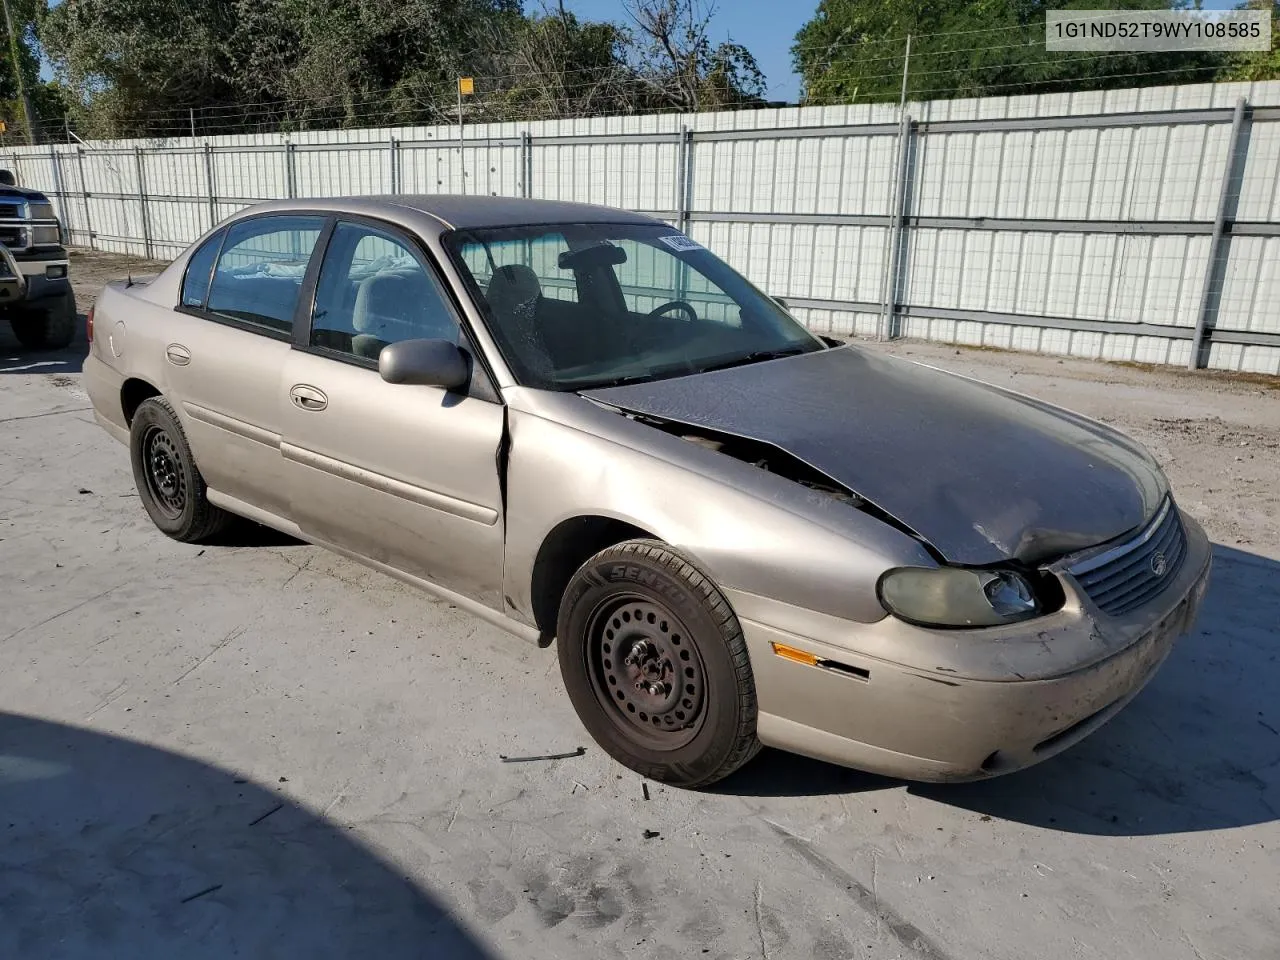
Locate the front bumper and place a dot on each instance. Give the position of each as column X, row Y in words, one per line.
column 991, row 702
column 28, row 276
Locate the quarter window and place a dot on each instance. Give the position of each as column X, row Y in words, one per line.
column 259, row 274
column 195, row 285
column 373, row 290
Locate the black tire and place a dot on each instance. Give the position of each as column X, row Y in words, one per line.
column 165, row 473
column 656, row 666
column 50, row 327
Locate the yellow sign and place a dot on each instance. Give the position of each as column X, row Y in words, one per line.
column 466, row 86
column 3, row 126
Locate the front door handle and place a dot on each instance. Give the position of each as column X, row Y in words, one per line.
column 308, row 398
column 177, row 354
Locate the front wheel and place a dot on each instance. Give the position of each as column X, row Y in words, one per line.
column 656, row 666
column 47, row 327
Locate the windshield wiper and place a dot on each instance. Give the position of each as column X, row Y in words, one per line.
column 757, row 357
column 658, row 373
column 613, row 382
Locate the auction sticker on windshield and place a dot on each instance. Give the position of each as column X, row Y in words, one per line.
column 678, row 241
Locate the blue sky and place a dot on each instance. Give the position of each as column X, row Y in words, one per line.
column 765, row 27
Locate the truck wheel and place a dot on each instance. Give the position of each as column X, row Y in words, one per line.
column 51, row 327
column 165, row 473
column 656, row 666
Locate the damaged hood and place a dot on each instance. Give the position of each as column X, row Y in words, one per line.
column 980, row 474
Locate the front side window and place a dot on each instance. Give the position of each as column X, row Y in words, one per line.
column 195, row 284
column 259, row 273
column 374, row 290
column 576, row 306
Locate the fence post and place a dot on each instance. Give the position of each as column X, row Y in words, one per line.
column 208, row 179
column 84, row 189
column 1214, row 272
column 289, row 171
column 64, row 205
column 526, row 164
column 142, row 202
column 886, row 328
column 395, row 165
column 684, row 177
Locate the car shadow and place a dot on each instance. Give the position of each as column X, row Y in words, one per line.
column 242, row 532
column 116, row 848
column 1198, row 749
column 15, row 358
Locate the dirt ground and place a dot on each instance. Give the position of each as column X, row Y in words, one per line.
column 260, row 749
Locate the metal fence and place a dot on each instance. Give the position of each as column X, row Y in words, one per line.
column 1137, row 225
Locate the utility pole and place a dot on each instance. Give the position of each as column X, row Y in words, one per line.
column 466, row 86
column 889, row 284
column 906, row 62
column 27, row 111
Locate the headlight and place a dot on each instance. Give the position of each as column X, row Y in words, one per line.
column 954, row 597
column 45, row 236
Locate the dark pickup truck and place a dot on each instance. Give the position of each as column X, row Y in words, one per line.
column 35, row 290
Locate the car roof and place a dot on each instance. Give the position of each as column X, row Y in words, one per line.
column 453, row 211
column 486, row 211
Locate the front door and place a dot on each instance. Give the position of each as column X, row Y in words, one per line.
column 403, row 474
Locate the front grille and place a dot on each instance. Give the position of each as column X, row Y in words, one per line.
column 11, row 211
column 13, row 237
column 1127, row 576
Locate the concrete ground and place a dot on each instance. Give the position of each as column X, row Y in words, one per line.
column 262, row 750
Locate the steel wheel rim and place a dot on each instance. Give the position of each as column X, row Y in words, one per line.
column 646, row 672
column 162, row 469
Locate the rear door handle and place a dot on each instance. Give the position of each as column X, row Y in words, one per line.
column 177, row 354
column 308, row 398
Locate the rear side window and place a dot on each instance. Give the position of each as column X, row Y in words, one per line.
column 195, row 285
column 259, row 273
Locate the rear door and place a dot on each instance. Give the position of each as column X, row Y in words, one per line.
column 406, row 475
column 227, row 347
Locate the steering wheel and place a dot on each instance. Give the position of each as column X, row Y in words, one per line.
column 673, row 305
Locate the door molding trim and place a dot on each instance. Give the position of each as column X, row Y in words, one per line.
column 230, row 424
column 476, row 512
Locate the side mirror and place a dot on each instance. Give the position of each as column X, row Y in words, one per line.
column 430, row 363
column 8, row 179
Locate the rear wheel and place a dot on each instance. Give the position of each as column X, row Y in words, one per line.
column 50, row 326
column 165, row 473
column 656, row 666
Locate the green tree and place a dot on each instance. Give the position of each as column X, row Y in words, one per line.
column 554, row 65
column 1257, row 64
column 131, row 58
column 152, row 67
column 24, row 14
column 138, row 66
column 672, row 55
column 853, row 50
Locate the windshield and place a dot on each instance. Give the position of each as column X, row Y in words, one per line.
column 575, row 306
